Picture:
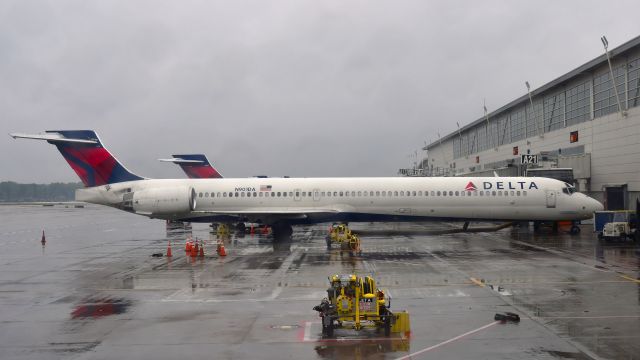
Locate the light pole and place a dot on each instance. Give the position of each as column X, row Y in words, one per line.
column 533, row 111
column 613, row 78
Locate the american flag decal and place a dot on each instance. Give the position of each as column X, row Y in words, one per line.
column 265, row 187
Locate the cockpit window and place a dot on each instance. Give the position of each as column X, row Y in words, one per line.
column 568, row 189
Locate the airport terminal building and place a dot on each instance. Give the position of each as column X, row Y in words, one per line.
column 584, row 130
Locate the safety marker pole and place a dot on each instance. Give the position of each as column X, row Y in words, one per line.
column 44, row 240
column 169, row 254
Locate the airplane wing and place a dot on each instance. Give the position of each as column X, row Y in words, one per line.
column 267, row 211
column 274, row 214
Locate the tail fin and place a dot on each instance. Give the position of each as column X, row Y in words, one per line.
column 86, row 155
column 196, row 166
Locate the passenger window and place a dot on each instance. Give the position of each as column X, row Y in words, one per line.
column 513, row 193
column 273, row 194
column 524, row 193
column 438, row 193
column 224, row 194
column 237, row 194
column 255, row 194
column 297, row 193
column 279, row 193
column 370, row 193
column 200, row 195
column 346, row 193
column 353, row 193
column 242, row 194
column 493, row 193
column 206, row 194
column 335, row 193
column 450, row 193
column 284, row 194
column 481, row 193
column 218, row 195
column 463, row 193
column 359, row 193
column 377, row 193
column 444, row 193
column 401, row 193
column 384, row 193
column 457, row 193
column 309, row 193
column 420, row 193
column 433, row 193
column 413, row 193
column 364, row 193
column 261, row 194
column 290, row 193
column 341, row 193
column 322, row 194
column 517, row 193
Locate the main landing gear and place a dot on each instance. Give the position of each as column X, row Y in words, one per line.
column 281, row 230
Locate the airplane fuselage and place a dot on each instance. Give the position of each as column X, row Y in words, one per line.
column 314, row 200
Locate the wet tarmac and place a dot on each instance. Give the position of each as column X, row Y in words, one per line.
column 94, row 291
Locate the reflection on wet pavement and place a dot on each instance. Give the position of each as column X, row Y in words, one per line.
column 95, row 291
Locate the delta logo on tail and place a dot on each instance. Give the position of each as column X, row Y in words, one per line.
column 470, row 187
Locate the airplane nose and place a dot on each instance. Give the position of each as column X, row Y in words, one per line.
column 595, row 205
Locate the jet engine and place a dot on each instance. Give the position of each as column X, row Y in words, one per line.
column 164, row 201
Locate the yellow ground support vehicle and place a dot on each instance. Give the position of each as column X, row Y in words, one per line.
column 354, row 302
column 343, row 236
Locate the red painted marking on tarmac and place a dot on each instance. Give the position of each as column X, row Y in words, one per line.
column 448, row 341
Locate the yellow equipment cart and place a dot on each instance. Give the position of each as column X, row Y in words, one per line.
column 344, row 237
column 354, row 302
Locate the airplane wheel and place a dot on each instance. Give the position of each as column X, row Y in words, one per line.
column 575, row 230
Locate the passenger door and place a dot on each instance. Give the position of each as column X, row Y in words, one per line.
column 551, row 198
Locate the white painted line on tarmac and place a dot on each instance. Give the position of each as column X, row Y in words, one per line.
column 307, row 331
column 448, row 341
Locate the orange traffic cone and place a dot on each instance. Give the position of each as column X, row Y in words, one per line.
column 192, row 250
column 169, row 254
column 187, row 246
column 252, row 230
column 221, row 250
column 201, row 254
column 43, row 241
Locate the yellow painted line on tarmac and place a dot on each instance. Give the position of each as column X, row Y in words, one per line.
column 627, row 277
column 477, row 282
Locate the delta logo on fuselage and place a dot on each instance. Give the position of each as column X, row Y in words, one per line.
column 503, row 185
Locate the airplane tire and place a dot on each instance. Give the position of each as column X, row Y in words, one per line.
column 575, row 230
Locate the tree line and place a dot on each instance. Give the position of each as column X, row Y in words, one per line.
column 13, row 192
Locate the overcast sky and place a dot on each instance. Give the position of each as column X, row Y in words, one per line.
column 299, row 88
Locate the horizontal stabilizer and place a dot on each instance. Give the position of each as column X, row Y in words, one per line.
column 182, row 161
column 52, row 137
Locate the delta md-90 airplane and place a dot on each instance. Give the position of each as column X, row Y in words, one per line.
column 283, row 202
